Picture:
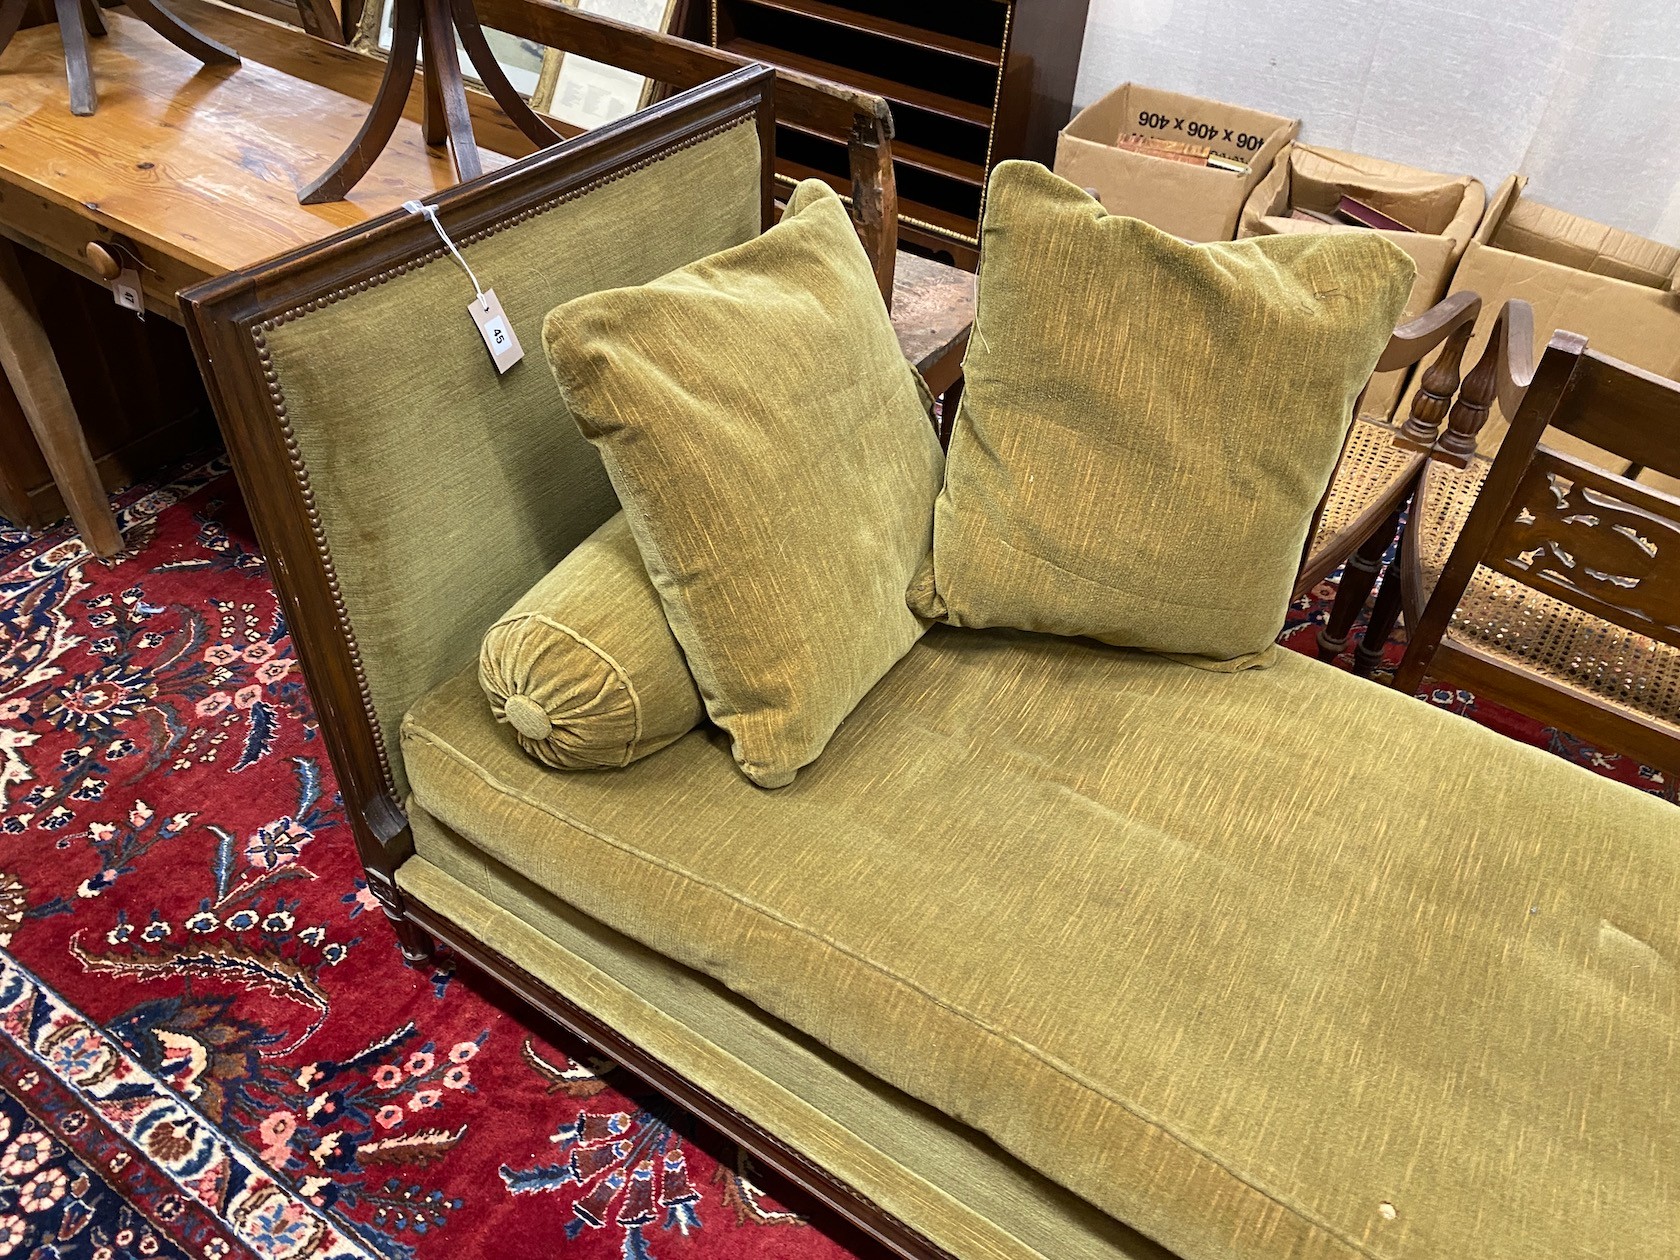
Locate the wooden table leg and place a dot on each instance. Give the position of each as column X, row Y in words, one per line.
column 27, row 358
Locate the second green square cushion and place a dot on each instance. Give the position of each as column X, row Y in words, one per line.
column 774, row 456
column 1147, row 425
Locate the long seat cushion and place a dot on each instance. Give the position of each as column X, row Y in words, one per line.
column 1273, row 964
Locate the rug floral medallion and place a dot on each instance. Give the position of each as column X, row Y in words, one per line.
column 209, row 1044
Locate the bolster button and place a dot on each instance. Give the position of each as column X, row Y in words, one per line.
column 528, row 717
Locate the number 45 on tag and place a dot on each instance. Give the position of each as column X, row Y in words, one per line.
column 498, row 334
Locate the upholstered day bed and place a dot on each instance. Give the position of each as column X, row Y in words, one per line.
column 1059, row 950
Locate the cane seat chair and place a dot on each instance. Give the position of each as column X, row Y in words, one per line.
column 1375, row 477
column 1546, row 583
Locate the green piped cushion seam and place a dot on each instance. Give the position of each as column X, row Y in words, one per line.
column 1321, row 1233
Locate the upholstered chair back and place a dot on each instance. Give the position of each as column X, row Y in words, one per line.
column 438, row 489
column 385, row 385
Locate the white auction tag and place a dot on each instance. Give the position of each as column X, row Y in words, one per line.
column 125, row 289
column 498, row 334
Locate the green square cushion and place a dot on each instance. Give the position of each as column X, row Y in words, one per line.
column 773, row 452
column 1148, row 425
column 584, row 668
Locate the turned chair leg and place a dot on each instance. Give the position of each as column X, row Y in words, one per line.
column 416, row 943
column 1385, row 614
column 1359, row 575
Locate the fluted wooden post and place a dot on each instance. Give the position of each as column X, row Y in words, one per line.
column 1503, row 372
column 1434, row 396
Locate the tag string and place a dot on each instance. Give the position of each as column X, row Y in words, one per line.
column 430, row 214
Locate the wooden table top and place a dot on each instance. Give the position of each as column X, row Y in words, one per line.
column 201, row 164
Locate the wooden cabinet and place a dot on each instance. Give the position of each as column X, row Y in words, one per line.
column 971, row 82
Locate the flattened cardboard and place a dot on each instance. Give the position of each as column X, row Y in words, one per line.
column 1443, row 211
column 1198, row 203
column 1635, row 322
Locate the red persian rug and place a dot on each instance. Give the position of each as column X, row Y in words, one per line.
column 209, row 1044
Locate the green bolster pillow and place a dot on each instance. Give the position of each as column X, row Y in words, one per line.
column 584, row 667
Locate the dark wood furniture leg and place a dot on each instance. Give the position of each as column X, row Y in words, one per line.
column 430, row 25
column 434, row 120
column 1385, row 614
column 181, row 35
column 77, row 19
column 446, row 93
column 495, row 81
column 1359, row 575
column 418, row 945
column 83, row 99
column 30, row 366
column 11, row 17
column 382, row 116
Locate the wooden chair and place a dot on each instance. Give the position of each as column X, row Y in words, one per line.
column 1361, row 512
column 1540, row 581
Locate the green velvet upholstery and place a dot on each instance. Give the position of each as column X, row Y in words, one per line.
column 942, row 1178
column 446, row 490
column 1176, row 939
column 1148, row 425
column 774, row 455
column 583, row 668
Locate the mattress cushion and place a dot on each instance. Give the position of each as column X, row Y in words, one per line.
column 1271, row 964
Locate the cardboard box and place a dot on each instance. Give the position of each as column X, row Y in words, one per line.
column 1198, row 203
column 1444, row 210
column 1608, row 285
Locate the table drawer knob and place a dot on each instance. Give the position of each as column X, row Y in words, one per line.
column 104, row 263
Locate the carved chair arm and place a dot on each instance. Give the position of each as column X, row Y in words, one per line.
column 1502, row 373
column 862, row 120
column 1417, row 337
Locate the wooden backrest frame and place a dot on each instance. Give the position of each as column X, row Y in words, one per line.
column 1623, row 408
column 224, row 318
